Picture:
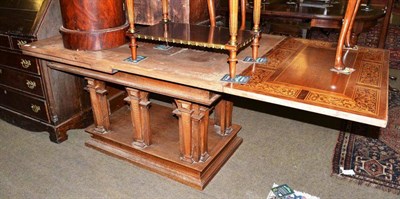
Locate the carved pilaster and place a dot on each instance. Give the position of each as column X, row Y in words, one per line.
column 98, row 97
column 223, row 117
column 193, row 131
column 140, row 116
column 200, row 118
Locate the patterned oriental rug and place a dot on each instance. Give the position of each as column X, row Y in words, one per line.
column 372, row 153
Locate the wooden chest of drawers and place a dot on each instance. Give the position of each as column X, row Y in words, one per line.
column 32, row 95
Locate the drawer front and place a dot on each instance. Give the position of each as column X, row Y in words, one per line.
column 4, row 42
column 25, row 104
column 17, row 42
column 19, row 61
column 21, row 81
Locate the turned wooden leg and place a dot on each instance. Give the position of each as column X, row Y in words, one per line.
column 232, row 60
column 131, row 30
column 256, row 20
column 140, row 116
column 98, row 99
column 223, row 117
column 254, row 47
column 233, row 29
column 349, row 34
column 211, row 12
column 211, row 34
column 193, row 131
column 133, row 47
column 165, row 10
column 339, row 65
column 243, row 14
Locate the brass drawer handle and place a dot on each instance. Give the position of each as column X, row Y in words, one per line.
column 31, row 84
column 25, row 63
column 35, row 108
column 1, row 71
column 21, row 43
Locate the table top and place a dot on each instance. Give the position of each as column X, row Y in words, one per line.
column 193, row 67
column 296, row 74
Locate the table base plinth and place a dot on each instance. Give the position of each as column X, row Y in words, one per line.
column 163, row 155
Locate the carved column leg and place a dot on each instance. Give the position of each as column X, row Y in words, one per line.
column 233, row 28
column 256, row 20
column 193, row 131
column 349, row 34
column 223, row 117
column 165, row 10
column 200, row 118
column 98, row 99
column 131, row 30
column 339, row 65
column 140, row 116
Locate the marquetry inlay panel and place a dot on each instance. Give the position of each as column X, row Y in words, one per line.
column 370, row 74
column 299, row 70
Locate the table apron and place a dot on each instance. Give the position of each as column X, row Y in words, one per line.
column 144, row 83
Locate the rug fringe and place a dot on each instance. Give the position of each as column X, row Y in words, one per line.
column 369, row 184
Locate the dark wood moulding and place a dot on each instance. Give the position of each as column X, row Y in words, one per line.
column 93, row 24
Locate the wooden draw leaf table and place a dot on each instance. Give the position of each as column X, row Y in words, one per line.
column 183, row 142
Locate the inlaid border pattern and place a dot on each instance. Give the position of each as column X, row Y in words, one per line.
column 260, row 75
column 370, row 74
column 320, row 44
column 372, row 55
column 274, row 89
column 292, row 44
column 276, row 58
column 365, row 98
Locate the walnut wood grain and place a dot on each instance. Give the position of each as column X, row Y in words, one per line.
column 93, row 24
